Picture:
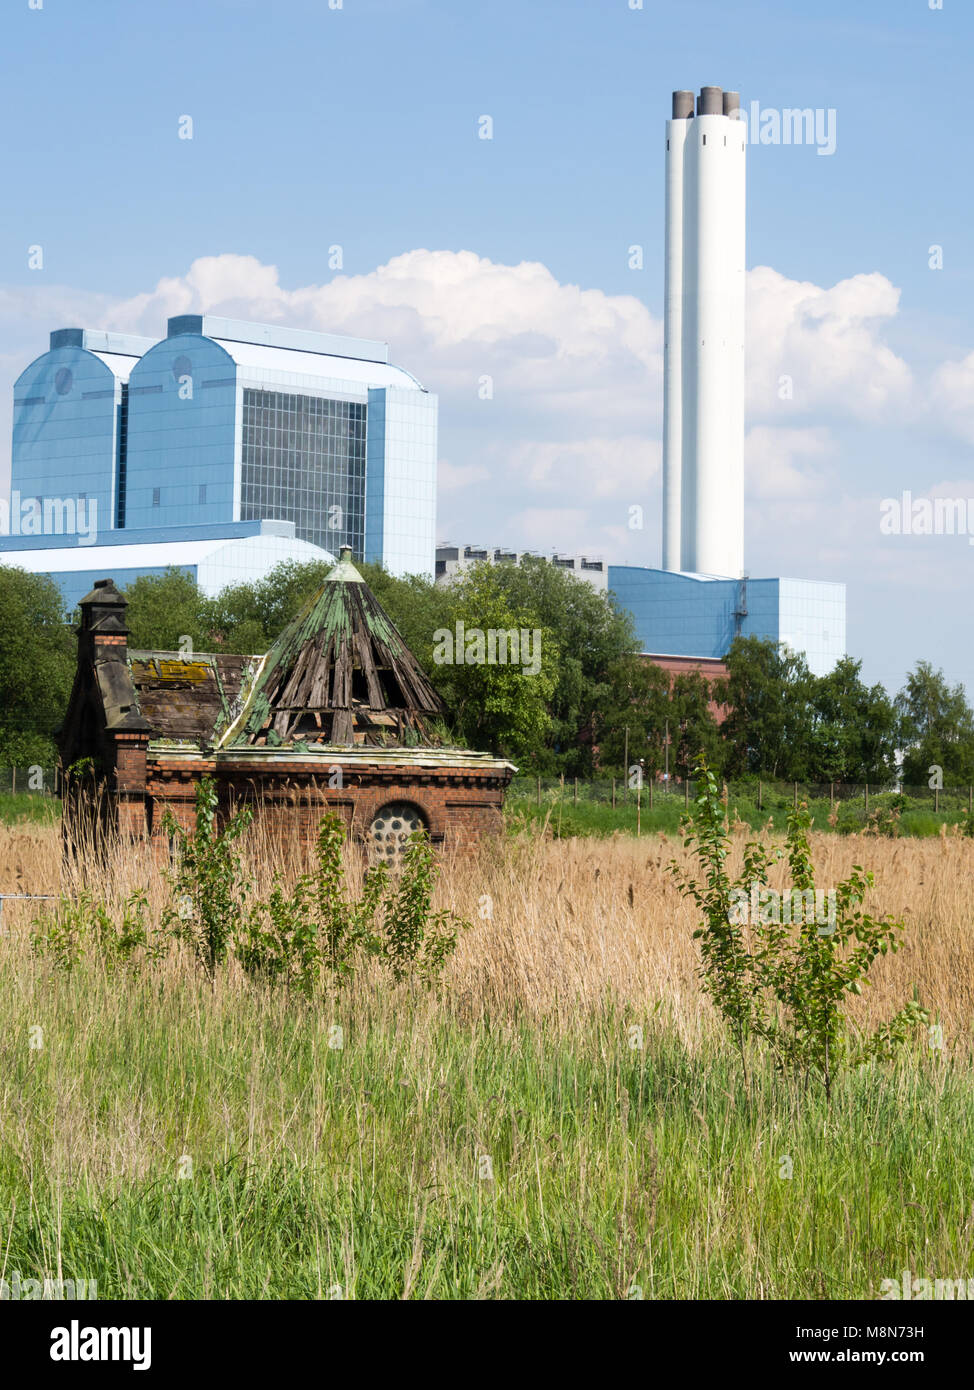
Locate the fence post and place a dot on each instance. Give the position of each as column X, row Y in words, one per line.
column 650, row 793
column 539, row 791
column 686, row 794
column 576, row 791
column 866, row 794
column 936, row 799
column 970, row 800
column 831, row 793
column 13, row 780
column 613, row 793
column 639, row 809
column 760, row 796
column 796, row 796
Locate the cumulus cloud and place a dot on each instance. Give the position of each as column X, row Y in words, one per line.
column 450, row 478
column 776, row 461
column 952, row 395
column 814, row 349
column 552, row 393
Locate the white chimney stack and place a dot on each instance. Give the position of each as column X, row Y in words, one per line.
column 703, row 353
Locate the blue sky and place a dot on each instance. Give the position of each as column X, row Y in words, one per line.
column 357, row 127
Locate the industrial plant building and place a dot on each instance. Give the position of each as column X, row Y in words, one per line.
column 221, row 424
column 227, row 446
column 701, row 598
column 687, row 613
column 452, row 560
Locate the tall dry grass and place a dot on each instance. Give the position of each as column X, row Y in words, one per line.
column 560, row 925
column 361, row 1168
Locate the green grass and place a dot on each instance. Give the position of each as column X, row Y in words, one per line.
column 594, row 814
column 29, row 806
column 316, row 1167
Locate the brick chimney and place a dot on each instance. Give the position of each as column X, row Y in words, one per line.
column 105, row 675
column 102, row 622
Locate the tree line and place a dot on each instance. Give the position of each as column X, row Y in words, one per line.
column 585, row 703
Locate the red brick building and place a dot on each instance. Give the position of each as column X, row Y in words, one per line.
column 711, row 668
column 338, row 715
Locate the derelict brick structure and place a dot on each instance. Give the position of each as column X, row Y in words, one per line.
column 338, row 715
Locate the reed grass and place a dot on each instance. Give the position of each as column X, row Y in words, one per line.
column 563, row 1119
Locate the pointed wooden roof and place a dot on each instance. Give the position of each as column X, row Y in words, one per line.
column 340, row 673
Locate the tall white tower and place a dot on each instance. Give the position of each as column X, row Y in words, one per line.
column 703, row 352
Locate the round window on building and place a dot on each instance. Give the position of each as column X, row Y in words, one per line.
column 391, row 827
column 63, row 380
column 182, row 366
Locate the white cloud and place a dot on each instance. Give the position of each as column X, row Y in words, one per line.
column 450, row 478
column 828, row 343
column 776, row 461
column 576, row 374
column 952, row 395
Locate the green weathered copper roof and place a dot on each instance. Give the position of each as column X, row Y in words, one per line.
column 339, row 667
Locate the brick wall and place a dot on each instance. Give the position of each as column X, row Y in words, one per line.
column 459, row 805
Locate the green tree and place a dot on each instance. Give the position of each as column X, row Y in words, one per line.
column 936, row 728
column 854, row 728
column 250, row 616
column 37, row 659
column 591, row 637
column 693, row 726
column 640, row 704
column 649, row 702
column 769, row 730
column 503, row 707
column 163, row 609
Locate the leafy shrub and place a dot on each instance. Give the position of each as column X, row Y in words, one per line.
column 299, row 937
column 77, row 925
column 783, row 984
column 317, row 931
column 208, row 882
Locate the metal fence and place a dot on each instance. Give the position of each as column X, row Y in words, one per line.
column 759, row 795
column 30, row 781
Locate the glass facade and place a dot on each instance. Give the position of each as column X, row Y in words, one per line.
column 684, row 615
column 65, row 431
column 401, row 491
column 303, row 460
column 181, row 434
column 263, row 423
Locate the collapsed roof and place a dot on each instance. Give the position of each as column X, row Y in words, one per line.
column 339, row 674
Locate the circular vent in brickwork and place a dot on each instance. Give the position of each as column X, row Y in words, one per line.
column 391, row 828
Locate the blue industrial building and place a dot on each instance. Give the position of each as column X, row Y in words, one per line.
column 215, row 556
column 695, row 615
column 220, row 424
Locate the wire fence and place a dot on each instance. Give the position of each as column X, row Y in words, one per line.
column 759, row 795
column 30, row 781
column 648, row 794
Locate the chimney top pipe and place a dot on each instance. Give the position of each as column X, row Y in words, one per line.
column 682, row 105
column 732, row 105
column 710, row 102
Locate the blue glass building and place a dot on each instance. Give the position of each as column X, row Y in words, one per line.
column 697, row 615
column 221, row 423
